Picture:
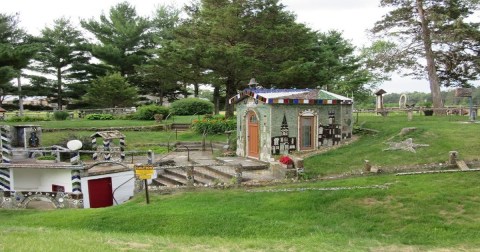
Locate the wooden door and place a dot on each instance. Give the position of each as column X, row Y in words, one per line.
column 307, row 133
column 252, row 137
column 100, row 192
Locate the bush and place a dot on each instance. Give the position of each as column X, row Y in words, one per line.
column 60, row 115
column 99, row 117
column 147, row 112
column 214, row 125
column 25, row 119
column 191, row 106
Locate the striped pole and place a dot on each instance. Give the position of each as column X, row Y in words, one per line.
column 5, row 144
column 94, row 147
column 74, row 158
column 122, row 149
column 76, row 182
column 106, row 149
column 4, row 179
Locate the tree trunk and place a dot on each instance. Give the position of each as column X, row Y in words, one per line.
column 429, row 56
column 160, row 95
column 231, row 90
column 216, row 99
column 195, row 89
column 59, row 88
column 20, row 95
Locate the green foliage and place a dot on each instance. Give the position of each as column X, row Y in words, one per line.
column 147, row 112
column 111, row 91
column 26, row 119
column 47, row 157
column 62, row 55
column 60, row 115
column 191, row 106
column 214, row 125
column 99, row 117
column 123, row 38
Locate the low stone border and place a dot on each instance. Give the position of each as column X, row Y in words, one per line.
column 384, row 186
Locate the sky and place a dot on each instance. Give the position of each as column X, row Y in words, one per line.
column 351, row 17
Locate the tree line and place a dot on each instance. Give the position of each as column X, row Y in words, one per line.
column 109, row 60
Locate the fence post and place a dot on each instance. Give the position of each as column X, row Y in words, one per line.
column 238, row 174
column 150, row 157
column 190, row 176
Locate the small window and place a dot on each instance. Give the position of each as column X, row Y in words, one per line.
column 253, row 119
column 58, row 188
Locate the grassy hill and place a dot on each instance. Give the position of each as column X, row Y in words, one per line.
column 379, row 213
column 441, row 133
column 436, row 212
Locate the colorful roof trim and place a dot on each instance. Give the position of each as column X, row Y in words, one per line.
column 292, row 96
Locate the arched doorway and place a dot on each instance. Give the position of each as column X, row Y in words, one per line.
column 252, row 135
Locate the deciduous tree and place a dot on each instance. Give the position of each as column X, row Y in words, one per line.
column 432, row 38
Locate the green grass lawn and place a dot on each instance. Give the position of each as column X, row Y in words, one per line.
column 443, row 134
column 415, row 213
column 84, row 123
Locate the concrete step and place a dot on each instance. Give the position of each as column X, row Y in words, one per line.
column 213, row 176
column 182, row 174
column 163, row 181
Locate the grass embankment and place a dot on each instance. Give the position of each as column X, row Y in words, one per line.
column 425, row 212
column 443, row 134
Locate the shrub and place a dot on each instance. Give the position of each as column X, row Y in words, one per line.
column 147, row 112
column 60, row 115
column 214, row 125
column 99, row 117
column 26, row 119
column 191, row 106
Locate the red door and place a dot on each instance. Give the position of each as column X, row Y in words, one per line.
column 100, row 192
column 252, row 135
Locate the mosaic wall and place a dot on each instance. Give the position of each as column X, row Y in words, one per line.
column 278, row 125
column 14, row 200
column 283, row 144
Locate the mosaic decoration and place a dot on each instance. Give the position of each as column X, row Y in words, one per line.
column 94, row 147
column 12, row 199
column 291, row 96
column 108, row 146
column 283, row 143
column 329, row 134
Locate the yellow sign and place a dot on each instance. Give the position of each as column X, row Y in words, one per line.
column 144, row 171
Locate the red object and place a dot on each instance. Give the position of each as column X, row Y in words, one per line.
column 286, row 160
column 100, row 192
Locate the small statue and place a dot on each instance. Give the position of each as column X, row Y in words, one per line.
column 33, row 141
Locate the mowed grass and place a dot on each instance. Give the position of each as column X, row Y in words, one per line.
column 415, row 213
column 84, row 123
column 136, row 139
column 442, row 133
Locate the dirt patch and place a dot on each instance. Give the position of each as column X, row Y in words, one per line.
column 130, row 245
